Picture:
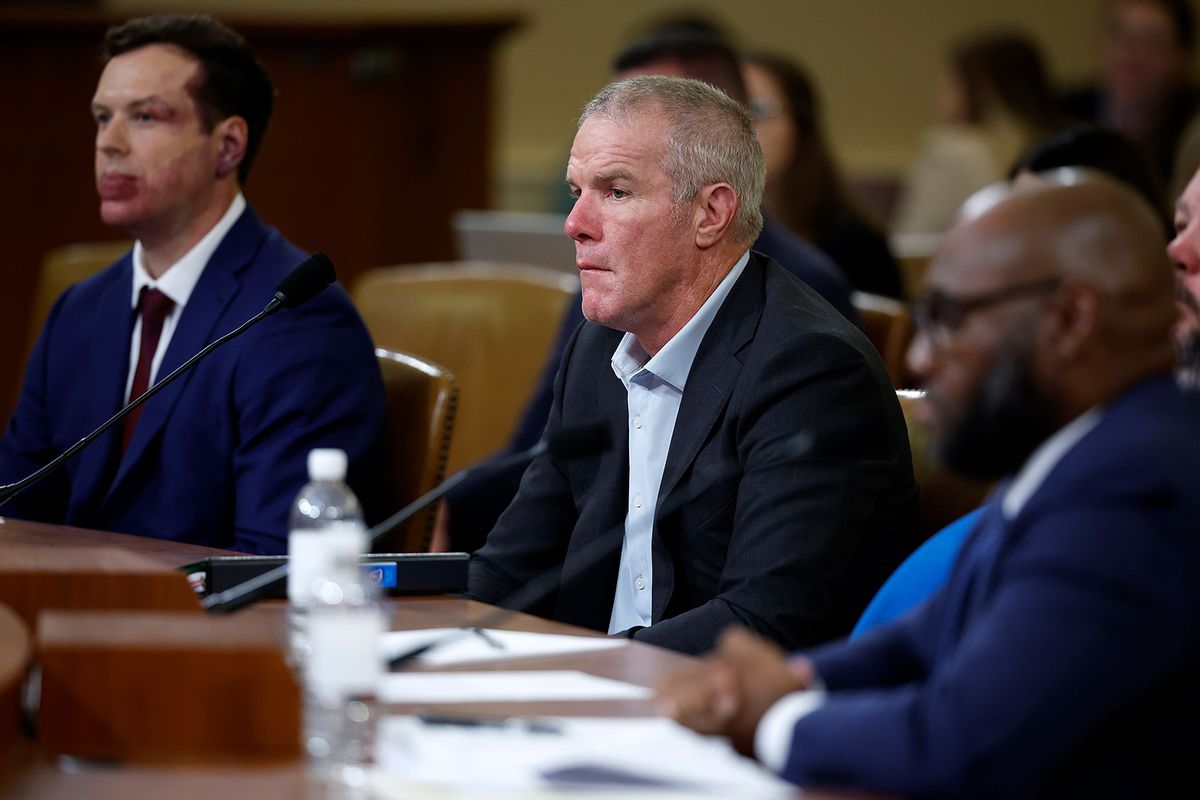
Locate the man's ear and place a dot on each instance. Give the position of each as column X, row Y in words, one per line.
column 231, row 135
column 1075, row 318
column 716, row 206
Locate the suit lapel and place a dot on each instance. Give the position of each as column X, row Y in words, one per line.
column 109, row 368
column 714, row 373
column 975, row 569
column 710, row 382
column 217, row 287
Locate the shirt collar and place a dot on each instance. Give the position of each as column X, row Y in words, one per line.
column 674, row 361
column 1045, row 459
column 179, row 279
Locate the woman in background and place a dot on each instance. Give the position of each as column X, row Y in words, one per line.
column 804, row 188
column 993, row 101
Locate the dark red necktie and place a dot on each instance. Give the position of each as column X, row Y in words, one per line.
column 154, row 307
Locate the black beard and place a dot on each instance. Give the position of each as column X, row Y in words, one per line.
column 1004, row 421
column 1187, row 348
column 1187, row 359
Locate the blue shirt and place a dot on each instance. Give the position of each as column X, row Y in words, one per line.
column 655, row 388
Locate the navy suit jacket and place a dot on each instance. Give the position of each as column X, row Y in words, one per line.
column 1061, row 658
column 791, row 546
column 218, row 456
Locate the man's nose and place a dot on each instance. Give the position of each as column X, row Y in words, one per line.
column 580, row 225
column 920, row 356
column 110, row 138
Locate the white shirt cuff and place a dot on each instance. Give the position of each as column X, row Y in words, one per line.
column 773, row 738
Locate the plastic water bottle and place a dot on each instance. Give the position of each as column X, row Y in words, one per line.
column 336, row 626
column 326, row 525
column 342, row 676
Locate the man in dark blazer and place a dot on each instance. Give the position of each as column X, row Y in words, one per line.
column 759, row 452
column 471, row 510
column 218, row 456
column 1060, row 658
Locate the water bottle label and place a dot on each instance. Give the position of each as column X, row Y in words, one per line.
column 312, row 554
column 346, row 658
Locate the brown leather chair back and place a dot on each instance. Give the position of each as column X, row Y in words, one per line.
column 889, row 327
column 62, row 267
column 421, row 400
column 491, row 325
column 945, row 495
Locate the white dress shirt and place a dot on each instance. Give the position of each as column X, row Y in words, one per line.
column 177, row 283
column 773, row 738
column 655, row 388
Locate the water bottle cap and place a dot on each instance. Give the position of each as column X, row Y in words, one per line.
column 326, row 464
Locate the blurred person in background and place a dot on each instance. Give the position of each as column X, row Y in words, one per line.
column 1102, row 148
column 1145, row 89
column 993, row 100
column 805, row 190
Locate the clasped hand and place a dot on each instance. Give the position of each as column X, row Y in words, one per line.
column 732, row 688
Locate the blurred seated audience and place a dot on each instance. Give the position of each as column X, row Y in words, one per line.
column 993, row 100
column 805, row 190
column 1145, row 88
column 1102, row 148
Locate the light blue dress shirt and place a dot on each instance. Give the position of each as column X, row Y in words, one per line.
column 655, row 388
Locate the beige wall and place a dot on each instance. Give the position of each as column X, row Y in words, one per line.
column 876, row 62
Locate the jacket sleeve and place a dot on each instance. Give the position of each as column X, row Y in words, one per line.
column 28, row 442
column 307, row 380
column 1091, row 609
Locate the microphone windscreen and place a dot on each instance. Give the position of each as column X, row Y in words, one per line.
column 578, row 441
column 305, row 281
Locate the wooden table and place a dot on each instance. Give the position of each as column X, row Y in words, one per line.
column 23, row 775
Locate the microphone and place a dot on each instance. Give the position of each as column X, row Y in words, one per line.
column 565, row 445
column 303, row 283
column 297, row 287
column 789, row 449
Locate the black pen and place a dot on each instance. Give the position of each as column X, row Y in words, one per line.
column 491, row 640
column 496, row 723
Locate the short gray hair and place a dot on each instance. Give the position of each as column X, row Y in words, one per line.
column 710, row 139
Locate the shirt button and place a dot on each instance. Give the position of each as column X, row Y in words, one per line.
column 640, row 582
column 637, row 422
column 637, row 501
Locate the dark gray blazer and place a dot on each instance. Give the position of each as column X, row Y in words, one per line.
column 791, row 545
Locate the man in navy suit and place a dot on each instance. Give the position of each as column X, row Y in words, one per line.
column 218, row 456
column 1060, row 658
column 704, row 360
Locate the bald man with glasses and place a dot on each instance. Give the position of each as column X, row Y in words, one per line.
column 1059, row 658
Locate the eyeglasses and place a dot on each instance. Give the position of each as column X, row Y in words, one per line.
column 938, row 314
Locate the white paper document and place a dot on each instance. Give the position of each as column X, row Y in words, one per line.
column 586, row 757
column 499, row 687
column 467, row 645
